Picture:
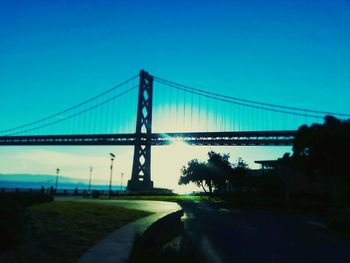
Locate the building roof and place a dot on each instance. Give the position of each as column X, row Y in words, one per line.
column 268, row 162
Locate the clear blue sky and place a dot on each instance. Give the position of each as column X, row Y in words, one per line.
column 54, row 54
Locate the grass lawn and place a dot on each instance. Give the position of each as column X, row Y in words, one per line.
column 170, row 198
column 63, row 231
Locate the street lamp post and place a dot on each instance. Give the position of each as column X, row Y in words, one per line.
column 91, row 168
column 57, row 172
column 110, row 177
column 121, row 186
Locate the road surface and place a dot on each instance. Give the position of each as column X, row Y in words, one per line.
column 233, row 235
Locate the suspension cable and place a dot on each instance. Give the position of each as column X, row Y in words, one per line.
column 226, row 99
column 73, row 107
column 214, row 95
column 78, row 113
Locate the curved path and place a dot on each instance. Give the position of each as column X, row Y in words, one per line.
column 116, row 247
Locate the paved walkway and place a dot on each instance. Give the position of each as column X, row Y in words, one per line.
column 117, row 246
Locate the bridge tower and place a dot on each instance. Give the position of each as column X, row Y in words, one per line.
column 141, row 169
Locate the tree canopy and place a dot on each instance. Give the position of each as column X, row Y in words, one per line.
column 322, row 149
column 214, row 173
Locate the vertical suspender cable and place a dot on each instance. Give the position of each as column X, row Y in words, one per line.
column 191, row 118
column 177, row 109
column 184, row 112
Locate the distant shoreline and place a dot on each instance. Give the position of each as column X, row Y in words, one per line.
column 12, row 185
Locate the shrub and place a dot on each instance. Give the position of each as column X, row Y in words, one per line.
column 12, row 215
column 11, row 224
column 339, row 221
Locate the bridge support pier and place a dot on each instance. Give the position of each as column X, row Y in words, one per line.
column 141, row 169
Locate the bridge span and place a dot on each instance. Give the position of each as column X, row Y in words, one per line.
column 177, row 113
column 249, row 138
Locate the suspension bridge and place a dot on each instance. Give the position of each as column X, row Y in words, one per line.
column 165, row 112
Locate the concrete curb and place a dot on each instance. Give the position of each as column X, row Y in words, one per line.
column 116, row 247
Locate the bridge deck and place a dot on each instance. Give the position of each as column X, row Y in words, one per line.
column 251, row 138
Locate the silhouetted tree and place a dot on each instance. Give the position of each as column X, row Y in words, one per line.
column 238, row 171
column 219, row 168
column 212, row 174
column 196, row 172
column 240, row 167
column 322, row 149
